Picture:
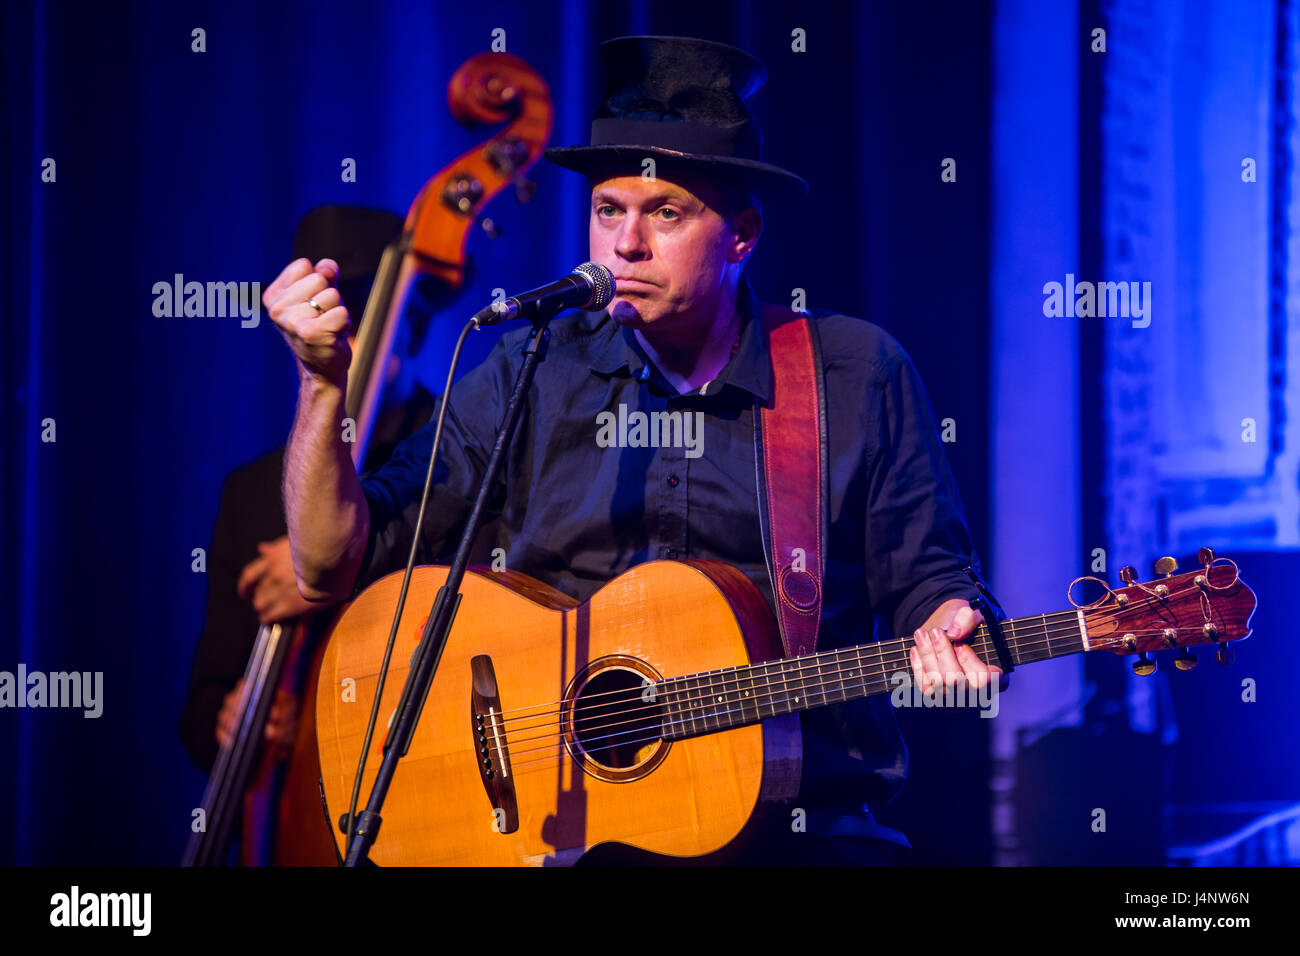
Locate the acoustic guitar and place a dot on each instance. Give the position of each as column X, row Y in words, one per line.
column 658, row 714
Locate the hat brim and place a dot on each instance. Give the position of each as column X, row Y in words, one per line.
column 771, row 182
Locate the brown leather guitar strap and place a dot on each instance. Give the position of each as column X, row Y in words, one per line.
column 790, row 445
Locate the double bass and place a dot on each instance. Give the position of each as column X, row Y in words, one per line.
column 283, row 816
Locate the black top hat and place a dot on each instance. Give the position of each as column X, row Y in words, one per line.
column 353, row 236
column 682, row 101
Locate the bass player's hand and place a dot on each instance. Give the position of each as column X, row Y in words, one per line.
column 281, row 723
column 268, row 582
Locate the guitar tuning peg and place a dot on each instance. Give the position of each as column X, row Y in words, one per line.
column 1128, row 574
column 1205, row 556
column 1144, row 666
column 1185, row 661
column 1225, row 655
column 1166, row 566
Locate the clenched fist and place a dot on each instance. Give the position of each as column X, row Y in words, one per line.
column 304, row 304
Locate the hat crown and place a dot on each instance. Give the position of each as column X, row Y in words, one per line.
column 682, row 78
column 683, row 102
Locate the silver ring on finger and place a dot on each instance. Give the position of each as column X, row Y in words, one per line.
column 320, row 309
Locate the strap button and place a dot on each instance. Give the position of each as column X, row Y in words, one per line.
column 799, row 588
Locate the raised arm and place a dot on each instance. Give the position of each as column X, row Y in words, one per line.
column 328, row 518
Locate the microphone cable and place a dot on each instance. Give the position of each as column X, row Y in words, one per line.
column 406, row 583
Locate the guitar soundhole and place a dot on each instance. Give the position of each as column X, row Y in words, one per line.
column 615, row 724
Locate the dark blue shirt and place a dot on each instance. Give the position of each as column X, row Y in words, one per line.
column 575, row 514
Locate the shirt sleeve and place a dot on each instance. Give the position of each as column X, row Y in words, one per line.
column 917, row 542
column 393, row 491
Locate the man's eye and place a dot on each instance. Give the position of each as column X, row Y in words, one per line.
column 600, row 210
column 670, row 214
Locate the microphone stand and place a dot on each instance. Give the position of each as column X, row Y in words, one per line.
column 428, row 653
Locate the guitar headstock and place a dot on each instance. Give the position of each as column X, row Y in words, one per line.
column 1210, row 605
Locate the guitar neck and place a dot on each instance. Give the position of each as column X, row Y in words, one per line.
column 735, row 696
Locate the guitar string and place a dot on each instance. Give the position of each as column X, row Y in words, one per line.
column 661, row 727
column 790, row 675
column 775, row 691
column 818, row 662
column 825, row 657
column 657, row 733
column 1068, row 620
column 550, row 758
column 792, row 670
column 765, row 697
column 1043, row 636
column 786, row 675
column 876, row 655
column 983, row 643
column 883, row 651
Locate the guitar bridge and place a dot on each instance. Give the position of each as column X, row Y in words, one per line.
column 490, row 746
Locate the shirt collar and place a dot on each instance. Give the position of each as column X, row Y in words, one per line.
column 749, row 369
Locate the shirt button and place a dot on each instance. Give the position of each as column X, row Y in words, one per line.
column 672, row 481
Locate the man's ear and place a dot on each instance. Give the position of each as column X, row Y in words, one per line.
column 745, row 233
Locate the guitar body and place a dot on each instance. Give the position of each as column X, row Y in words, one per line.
column 535, row 662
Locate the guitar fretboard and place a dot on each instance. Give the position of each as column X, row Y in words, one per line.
column 735, row 696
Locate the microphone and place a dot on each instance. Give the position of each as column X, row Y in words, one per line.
column 589, row 286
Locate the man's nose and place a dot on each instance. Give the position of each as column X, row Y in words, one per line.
column 631, row 243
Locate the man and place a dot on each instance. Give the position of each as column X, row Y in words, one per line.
column 680, row 335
